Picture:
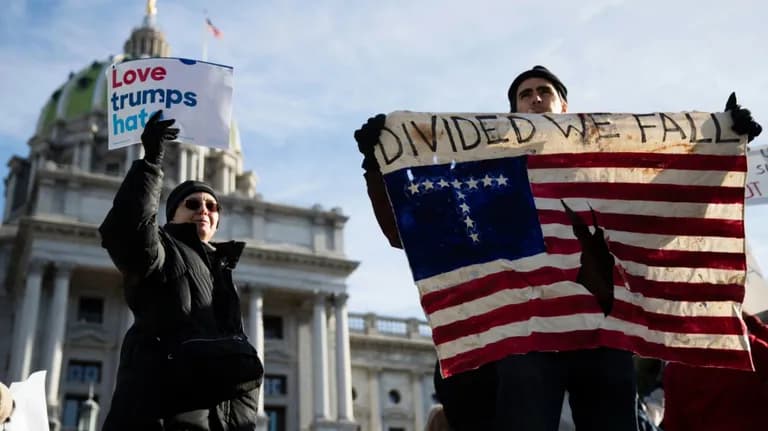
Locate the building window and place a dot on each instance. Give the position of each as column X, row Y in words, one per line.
column 90, row 310
column 394, row 396
column 274, row 385
column 112, row 168
column 276, row 415
column 354, row 394
column 84, row 372
column 73, row 408
column 273, row 327
column 396, row 429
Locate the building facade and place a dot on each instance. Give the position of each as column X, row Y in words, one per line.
column 61, row 302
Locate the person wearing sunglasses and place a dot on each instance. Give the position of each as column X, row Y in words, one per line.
column 178, row 283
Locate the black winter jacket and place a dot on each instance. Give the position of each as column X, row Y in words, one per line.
column 177, row 288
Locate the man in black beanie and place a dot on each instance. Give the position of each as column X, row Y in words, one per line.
column 185, row 363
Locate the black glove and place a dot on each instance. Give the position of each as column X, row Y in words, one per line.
column 367, row 137
column 155, row 134
column 743, row 123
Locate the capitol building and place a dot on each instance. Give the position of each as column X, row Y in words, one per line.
column 61, row 301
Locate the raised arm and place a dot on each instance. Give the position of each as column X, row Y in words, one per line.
column 130, row 231
column 367, row 137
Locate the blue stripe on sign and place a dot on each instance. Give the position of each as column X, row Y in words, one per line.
column 454, row 215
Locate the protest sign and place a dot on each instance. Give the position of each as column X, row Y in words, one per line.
column 198, row 95
column 30, row 412
column 756, row 191
column 499, row 215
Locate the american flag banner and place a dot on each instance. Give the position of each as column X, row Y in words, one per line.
column 528, row 232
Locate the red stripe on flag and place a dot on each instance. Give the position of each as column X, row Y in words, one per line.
column 725, row 325
column 679, row 258
column 684, row 226
column 682, row 291
column 695, row 162
column 511, row 313
column 656, row 257
column 490, row 284
column 578, row 304
column 640, row 192
column 580, row 340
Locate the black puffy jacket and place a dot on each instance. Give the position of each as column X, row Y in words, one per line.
column 177, row 288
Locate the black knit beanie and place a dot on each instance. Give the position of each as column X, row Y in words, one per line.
column 182, row 191
column 535, row 72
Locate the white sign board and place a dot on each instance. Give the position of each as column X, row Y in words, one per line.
column 30, row 412
column 756, row 190
column 198, row 95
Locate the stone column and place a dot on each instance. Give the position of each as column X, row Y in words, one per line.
column 374, row 396
column 25, row 322
column 56, row 332
column 130, row 156
column 256, row 333
column 320, row 358
column 86, row 150
column 418, row 400
column 343, row 363
column 10, row 191
column 201, row 164
column 194, row 174
column 182, row 164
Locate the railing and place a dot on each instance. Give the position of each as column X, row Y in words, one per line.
column 370, row 323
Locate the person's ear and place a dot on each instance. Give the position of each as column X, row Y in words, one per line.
column 565, row 106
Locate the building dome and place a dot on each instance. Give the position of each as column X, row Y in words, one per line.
column 83, row 94
column 71, row 130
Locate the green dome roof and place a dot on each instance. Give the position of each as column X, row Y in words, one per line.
column 84, row 92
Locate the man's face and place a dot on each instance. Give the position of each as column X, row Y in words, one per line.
column 201, row 209
column 537, row 96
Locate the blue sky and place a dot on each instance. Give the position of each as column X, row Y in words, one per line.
column 307, row 74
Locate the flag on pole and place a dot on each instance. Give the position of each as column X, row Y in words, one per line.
column 213, row 29
column 496, row 214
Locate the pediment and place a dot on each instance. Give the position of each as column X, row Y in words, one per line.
column 89, row 337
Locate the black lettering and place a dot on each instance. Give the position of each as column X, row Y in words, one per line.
column 761, row 169
column 387, row 159
column 464, row 145
column 763, row 153
column 410, row 141
column 643, row 126
column 693, row 130
column 520, row 139
column 450, row 135
column 567, row 131
column 154, row 96
column 676, row 128
column 718, row 132
column 487, row 130
column 599, row 124
column 432, row 146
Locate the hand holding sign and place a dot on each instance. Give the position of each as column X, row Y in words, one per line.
column 743, row 123
column 156, row 133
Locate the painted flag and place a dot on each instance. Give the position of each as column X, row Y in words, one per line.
column 214, row 30
column 480, row 202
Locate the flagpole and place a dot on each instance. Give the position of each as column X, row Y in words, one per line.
column 205, row 42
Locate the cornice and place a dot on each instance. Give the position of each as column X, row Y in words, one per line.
column 74, row 175
column 390, row 342
column 87, row 231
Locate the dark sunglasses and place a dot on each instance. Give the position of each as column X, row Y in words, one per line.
column 194, row 205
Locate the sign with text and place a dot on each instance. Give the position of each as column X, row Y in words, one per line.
column 547, row 232
column 756, row 191
column 198, row 95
